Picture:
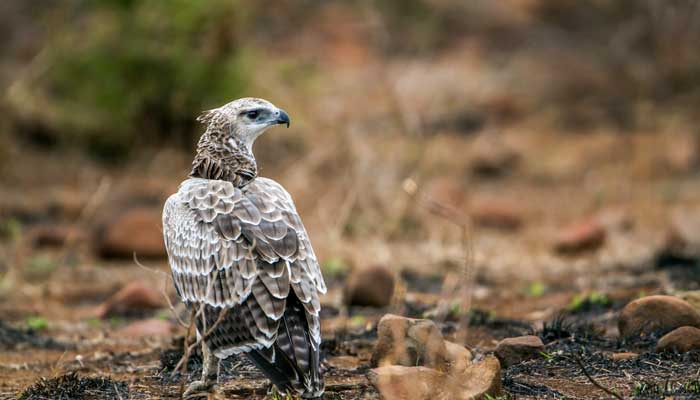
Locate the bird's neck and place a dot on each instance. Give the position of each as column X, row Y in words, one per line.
column 236, row 166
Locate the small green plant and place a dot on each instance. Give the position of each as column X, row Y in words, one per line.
column 357, row 321
column 40, row 266
column 11, row 228
column 594, row 300
column 37, row 323
column 163, row 315
column 94, row 322
column 536, row 289
column 116, row 322
column 334, row 267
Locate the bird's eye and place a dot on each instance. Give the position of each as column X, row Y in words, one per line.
column 253, row 114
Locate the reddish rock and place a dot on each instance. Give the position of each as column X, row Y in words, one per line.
column 371, row 287
column 497, row 215
column 656, row 313
column 135, row 298
column 54, row 235
column 481, row 380
column 683, row 339
column 447, row 191
column 478, row 381
column 409, row 342
column 623, row 356
column 67, row 204
column 683, row 154
column 514, row 350
column 458, row 357
column 683, row 237
column 491, row 157
column 408, row 383
column 138, row 230
column 148, row 327
column 581, row 236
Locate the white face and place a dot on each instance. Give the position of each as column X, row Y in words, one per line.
column 251, row 123
column 251, row 117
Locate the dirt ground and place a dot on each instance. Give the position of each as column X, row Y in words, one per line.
column 517, row 284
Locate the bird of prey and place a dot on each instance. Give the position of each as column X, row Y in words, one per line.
column 241, row 258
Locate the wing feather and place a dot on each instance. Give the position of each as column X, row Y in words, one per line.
column 244, row 249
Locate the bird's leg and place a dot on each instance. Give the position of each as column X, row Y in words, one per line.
column 210, row 375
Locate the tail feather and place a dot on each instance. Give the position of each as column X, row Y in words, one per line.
column 292, row 362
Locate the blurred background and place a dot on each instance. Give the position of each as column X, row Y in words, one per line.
column 515, row 156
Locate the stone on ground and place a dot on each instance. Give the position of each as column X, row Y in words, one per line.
column 683, row 339
column 408, row 383
column 148, row 327
column 514, row 350
column 137, row 230
column 586, row 235
column 133, row 299
column 497, row 215
column 458, row 357
column 409, row 342
column 369, row 287
column 623, row 356
column 478, row 381
column 656, row 314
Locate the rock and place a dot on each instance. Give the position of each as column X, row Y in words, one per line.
column 514, row 350
column 623, row 356
column 580, row 236
column 148, row 327
column 409, row 342
column 652, row 314
column 417, row 383
column 683, row 154
column 691, row 296
column 371, row 287
column 458, row 357
column 497, row 215
column 67, row 204
column 683, row 339
column 683, row 236
column 398, row 382
column 54, row 235
column 133, row 299
column 137, row 230
column 491, row 157
column 447, row 191
column 481, row 380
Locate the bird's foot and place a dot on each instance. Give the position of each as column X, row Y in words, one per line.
column 199, row 390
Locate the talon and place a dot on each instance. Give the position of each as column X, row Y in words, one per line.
column 199, row 389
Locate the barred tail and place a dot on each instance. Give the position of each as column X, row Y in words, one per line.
column 292, row 362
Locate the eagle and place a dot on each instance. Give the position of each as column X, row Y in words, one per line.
column 241, row 258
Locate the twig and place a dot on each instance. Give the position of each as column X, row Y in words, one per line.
column 461, row 221
column 208, row 332
column 87, row 212
column 593, row 381
column 185, row 356
column 164, row 291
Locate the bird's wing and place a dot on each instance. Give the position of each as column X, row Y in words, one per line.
column 226, row 243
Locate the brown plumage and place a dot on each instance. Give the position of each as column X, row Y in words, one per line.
column 237, row 244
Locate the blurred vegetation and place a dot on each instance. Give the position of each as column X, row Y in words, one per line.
column 110, row 75
column 128, row 72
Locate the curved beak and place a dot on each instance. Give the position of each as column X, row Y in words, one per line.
column 282, row 118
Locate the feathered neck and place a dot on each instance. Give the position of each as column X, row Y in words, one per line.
column 227, row 161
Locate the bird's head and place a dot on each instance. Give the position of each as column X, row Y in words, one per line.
column 241, row 121
column 225, row 150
